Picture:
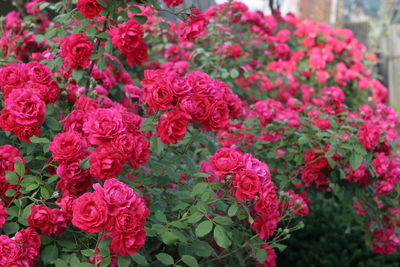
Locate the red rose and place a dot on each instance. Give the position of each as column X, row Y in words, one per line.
column 75, row 121
column 124, row 143
column 247, row 184
column 117, row 195
column 196, row 26
column 29, row 241
column 12, row 76
column 49, row 221
column 74, row 180
column 67, row 146
column 47, row 92
column 105, row 163
column 76, row 50
column 172, row 126
column 9, row 250
column 197, row 106
column 157, row 94
column 86, row 104
column 141, row 153
column 127, row 244
column 128, row 38
column 178, row 85
column 25, row 132
column 26, row 107
column 90, row 213
column 38, row 73
column 170, row 3
column 8, row 156
column 103, row 125
column 219, row 116
column 268, row 199
column 226, row 161
column 90, row 9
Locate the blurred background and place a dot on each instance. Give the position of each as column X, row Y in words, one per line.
column 376, row 23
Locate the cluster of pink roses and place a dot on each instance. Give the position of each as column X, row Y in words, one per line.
column 26, row 88
column 193, row 98
column 22, row 250
column 116, row 209
column 115, row 132
column 250, row 181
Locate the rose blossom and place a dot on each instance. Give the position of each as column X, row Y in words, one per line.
column 105, row 163
column 9, row 250
column 76, row 50
column 67, row 146
column 90, row 212
column 247, row 184
column 172, row 126
column 226, row 161
column 90, row 9
column 102, row 125
column 26, row 107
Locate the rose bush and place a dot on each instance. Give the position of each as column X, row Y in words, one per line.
column 130, row 140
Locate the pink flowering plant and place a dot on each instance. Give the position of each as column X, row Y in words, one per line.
column 130, row 140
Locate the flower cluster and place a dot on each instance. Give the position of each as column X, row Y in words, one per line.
column 27, row 88
column 22, row 250
column 128, row 38
column 193, row 98
column 116, row 134
column 116, row 209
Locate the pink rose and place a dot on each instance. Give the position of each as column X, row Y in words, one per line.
column 172, row 126
column 90, row 212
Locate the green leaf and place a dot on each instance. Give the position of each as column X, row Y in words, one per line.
column 261, row 255
column 169, row 238
column 124, row 261
column 140, row 19
column 165, row 258
column 44, row 192
column 204, row 228
column 223, row 220
column 190, row 261
column 85, row 264
column 164, row 25
column 221, row 237
column 102, row 64
column 160, row 216
column 201, row 175
column 234, row 73
column 31, row 187
column 198, row 189
column 19, row 167
column 39, row 140
column 10, row 228
column 84, row 164
column 88, row 252
column 194, row 218
column 280, row 247
column 232, row 210
column 135, row 9
column 49, row 254
column 105, row 262
column 139, row 259
column 60, row 263
column 53, row 124
column 12, row 177
column 147, row 125
column 91, row 31
column 202, row 249
column 10, row 193
column 355, row 161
